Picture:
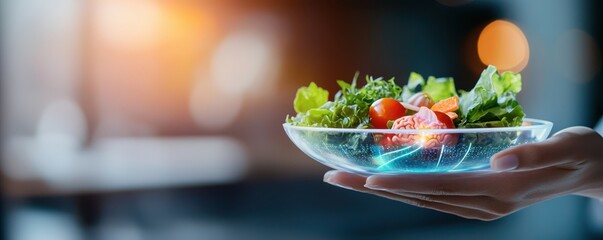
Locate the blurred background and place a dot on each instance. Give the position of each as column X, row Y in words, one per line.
column 157, row 119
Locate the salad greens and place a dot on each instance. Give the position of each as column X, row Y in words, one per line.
column 491, row 103
column 437, row 88
column 350, row 107
column 310, row 97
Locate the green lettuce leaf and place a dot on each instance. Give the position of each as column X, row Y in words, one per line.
column 309, row 97
column 492, row 102
column 437, row 88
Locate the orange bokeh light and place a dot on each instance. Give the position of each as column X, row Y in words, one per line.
column 145, row 56
column 503, row 44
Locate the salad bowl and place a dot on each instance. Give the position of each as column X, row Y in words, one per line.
column 371, row 151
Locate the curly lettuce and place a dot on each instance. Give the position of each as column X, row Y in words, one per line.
column 492, row 102
column 349, row 109
column 310, row 97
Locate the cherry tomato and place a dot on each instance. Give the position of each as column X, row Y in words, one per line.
column 384, row 110
column 444, row 118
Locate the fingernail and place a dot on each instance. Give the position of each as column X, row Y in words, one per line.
column 328, row 175
column 374, row 187
column 505, row 163
column 339, row 185
column 370, row 183
column 328, row 179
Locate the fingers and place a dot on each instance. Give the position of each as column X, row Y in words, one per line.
column 480, row 203
column 345, row 180
column 566, row 149
column 460, row 184
column 442, row 207
column 478, row 195
column 357, row 182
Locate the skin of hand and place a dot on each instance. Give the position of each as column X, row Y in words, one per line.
column 570, row 162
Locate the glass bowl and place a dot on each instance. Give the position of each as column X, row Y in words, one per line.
column 388, row 151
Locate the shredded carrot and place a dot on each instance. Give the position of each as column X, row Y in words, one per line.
column 447, row 105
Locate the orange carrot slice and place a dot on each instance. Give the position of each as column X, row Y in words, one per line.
column 452, row 115
column 450, row 104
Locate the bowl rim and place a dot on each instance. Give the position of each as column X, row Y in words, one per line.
column 539, row 124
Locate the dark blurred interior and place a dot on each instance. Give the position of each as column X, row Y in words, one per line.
column 157, row 119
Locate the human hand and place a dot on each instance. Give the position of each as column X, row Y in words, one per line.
column 570, row 162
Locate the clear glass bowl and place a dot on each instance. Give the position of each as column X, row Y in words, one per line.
column 387, row 151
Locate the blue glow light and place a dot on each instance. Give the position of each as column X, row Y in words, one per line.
column 392, row 152
column 440, row 158
column 398, row 157
column 462, row 159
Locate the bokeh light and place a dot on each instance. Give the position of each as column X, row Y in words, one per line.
column 245, row 62
column 211, row 108
column 129, row 24
column 251, row 56
column 503, row 44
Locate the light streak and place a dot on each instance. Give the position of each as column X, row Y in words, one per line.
column 440, row 158
column 401, row 156
column 392, row 152
column 462, row 159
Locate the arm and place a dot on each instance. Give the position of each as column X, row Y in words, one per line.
column 570, row 162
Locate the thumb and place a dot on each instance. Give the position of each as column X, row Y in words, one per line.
column 565, row 147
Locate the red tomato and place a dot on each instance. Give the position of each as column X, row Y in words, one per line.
column 384, row 110
column 445, row 119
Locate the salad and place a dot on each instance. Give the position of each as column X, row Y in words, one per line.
column 432, row 103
